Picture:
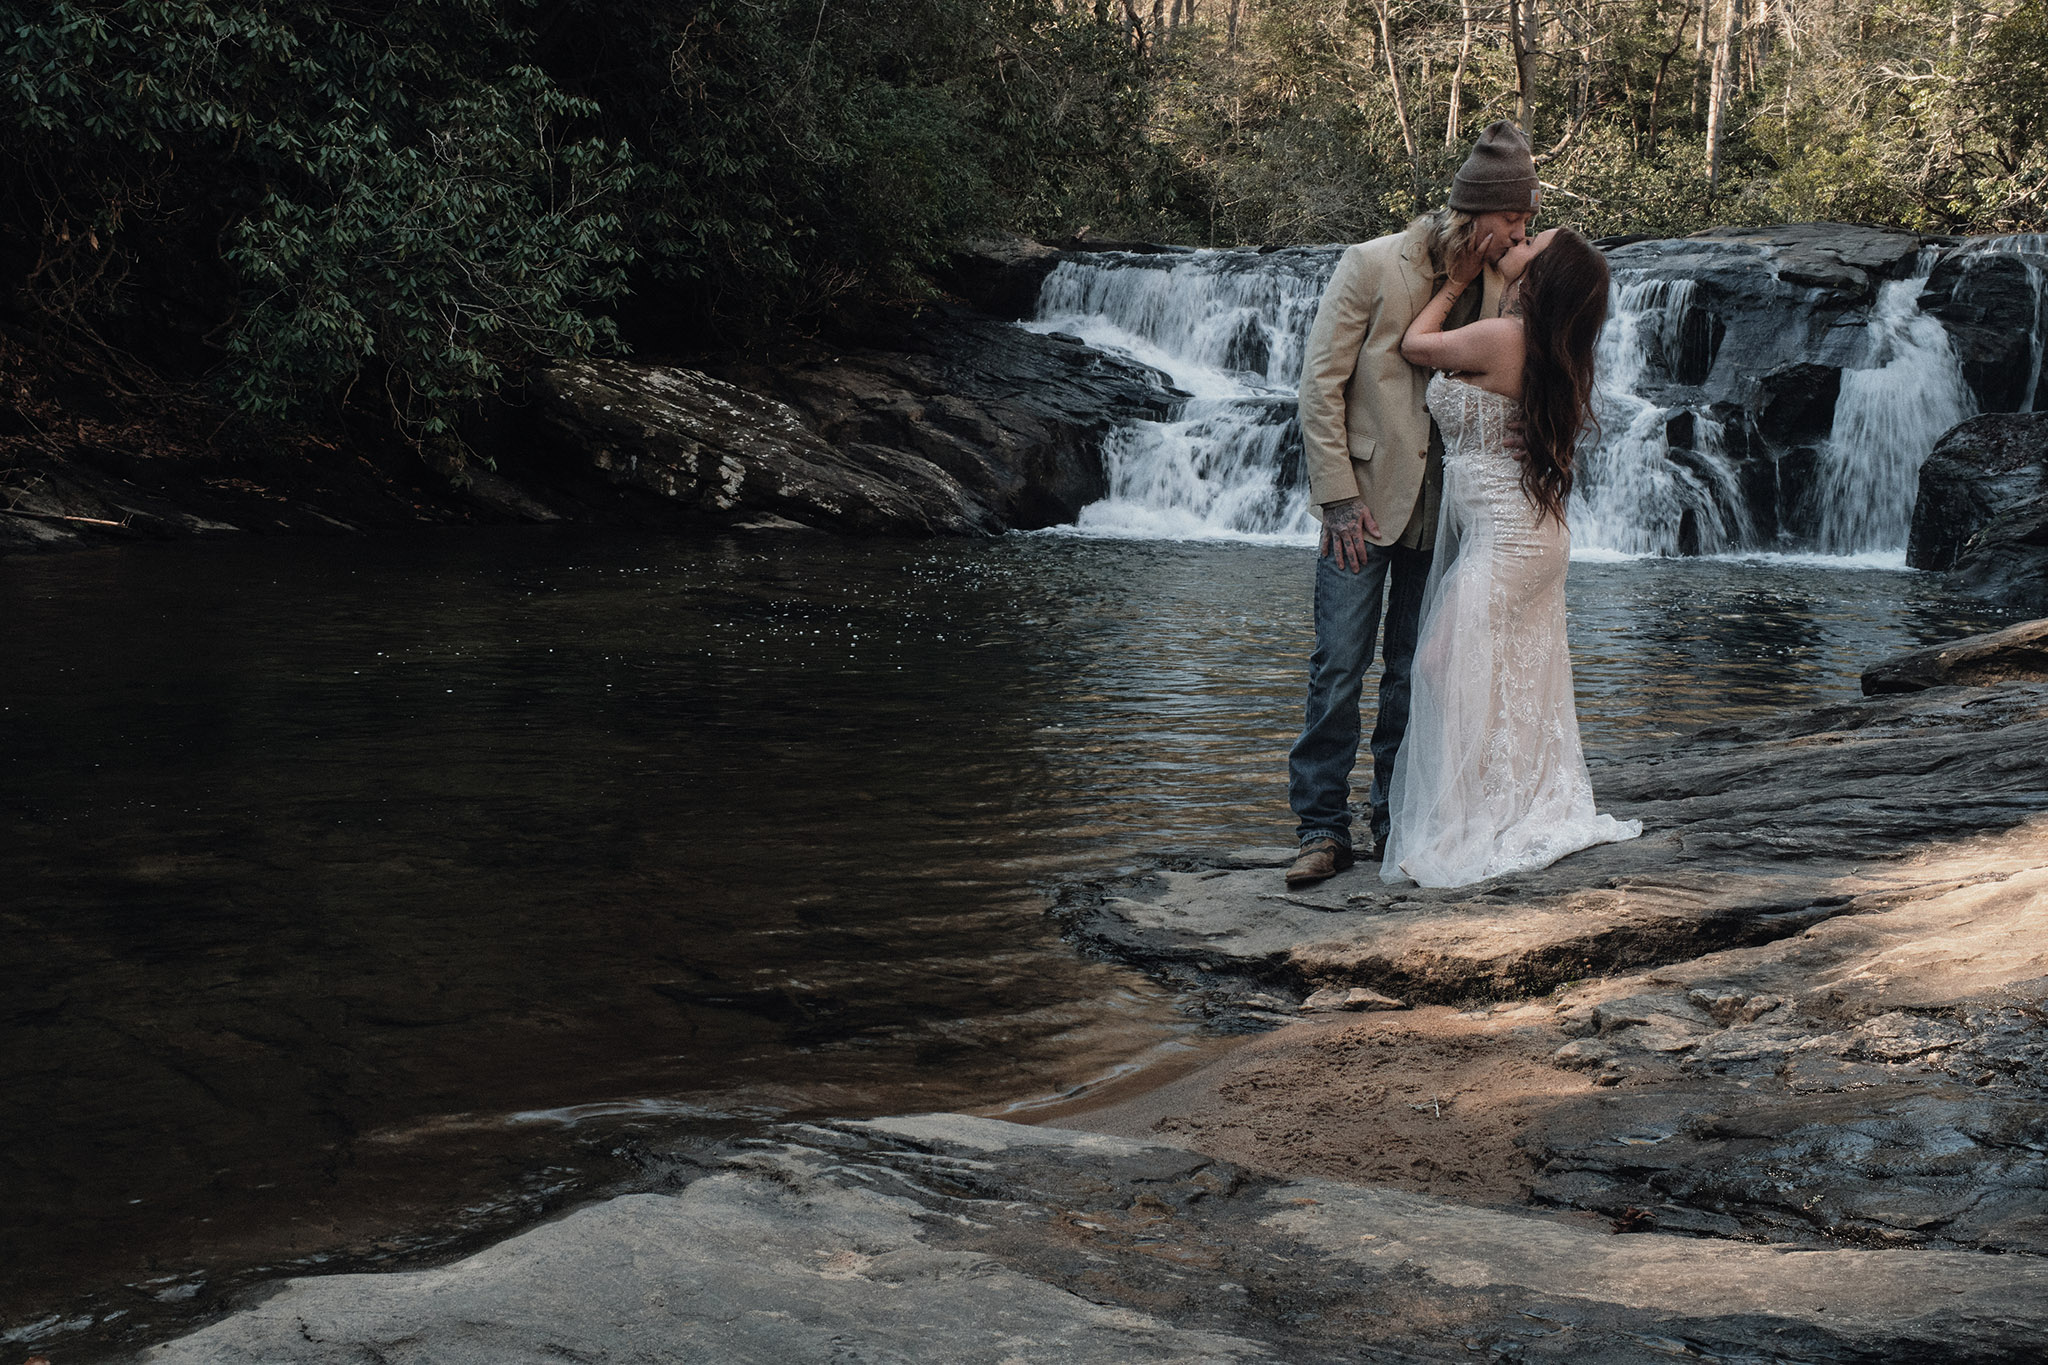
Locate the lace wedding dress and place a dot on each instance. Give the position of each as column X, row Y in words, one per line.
column 1491, row 778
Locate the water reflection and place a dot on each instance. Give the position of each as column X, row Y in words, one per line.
column 363, row 896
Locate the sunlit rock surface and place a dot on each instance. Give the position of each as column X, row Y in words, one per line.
column 943, row 1238
column 1810, row 996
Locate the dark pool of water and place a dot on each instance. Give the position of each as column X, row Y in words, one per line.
column 363, row 899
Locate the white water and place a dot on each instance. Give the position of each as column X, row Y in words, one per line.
column 1893, row 408
column 1229, row 328
column 1632, row 496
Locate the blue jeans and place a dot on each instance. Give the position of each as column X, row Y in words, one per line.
column 1347, row 619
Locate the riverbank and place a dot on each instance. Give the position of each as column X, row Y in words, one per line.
column 1803, row 1082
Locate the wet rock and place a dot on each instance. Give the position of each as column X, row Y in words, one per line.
column 942, row 1237
column 1982, row 508
column 725, row 454
column 1761, row 351
column 1796, row 402
column 1000, row 276
column 1843, row 258
column 1754, row 833
column 966, row 426
column 2016, row 654
column 1015, row 419
column 1778, row 309
column 1987, row 301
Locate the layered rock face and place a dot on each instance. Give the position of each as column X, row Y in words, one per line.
column 968, row 426
column 1982, row 510
column 1748, row 334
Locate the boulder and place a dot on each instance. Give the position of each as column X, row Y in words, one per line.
column 1982, row 509
column 1754, row 326
column 1796, row 402
column 1837, row 258
column 2016, row 654
column 1988, row 301
column 999, row 276
column 723, row 454
column 962, row 425
column 1014, row 418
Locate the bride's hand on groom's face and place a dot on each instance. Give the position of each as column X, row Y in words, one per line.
column 1471, row 262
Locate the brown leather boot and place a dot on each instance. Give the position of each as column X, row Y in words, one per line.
column 1320, row 860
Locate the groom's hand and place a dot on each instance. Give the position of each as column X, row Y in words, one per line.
column 1346, row 525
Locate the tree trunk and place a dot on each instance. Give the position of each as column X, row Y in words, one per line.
column 1458, row 79
column 1400, row 105
column 1159, row 21
column 1664, row 61
column 1717, row 96
column 1230, row 35
column 1699, row 58
column 1521, row 44
column 1136, row 24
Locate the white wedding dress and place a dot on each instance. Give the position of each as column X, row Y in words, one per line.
column 1490, row 778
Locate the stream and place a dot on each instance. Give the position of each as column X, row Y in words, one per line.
column 368, row 899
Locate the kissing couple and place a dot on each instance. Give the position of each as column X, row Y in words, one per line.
column 1440, row 423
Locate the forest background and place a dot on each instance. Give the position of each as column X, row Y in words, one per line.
column 395, row 206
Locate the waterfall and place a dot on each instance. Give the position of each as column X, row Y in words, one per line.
column 1635, row 494
column 1677, row 465
column 1894, row 406
column 1229, row 328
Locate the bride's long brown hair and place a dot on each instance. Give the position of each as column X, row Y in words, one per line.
column 1564, row 303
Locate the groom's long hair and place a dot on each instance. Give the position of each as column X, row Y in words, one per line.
column 1564, row 302
column 1448, row 232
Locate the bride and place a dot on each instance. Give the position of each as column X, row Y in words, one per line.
column 1491, row 778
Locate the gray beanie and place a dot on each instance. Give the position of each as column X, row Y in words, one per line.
column 1499, row 176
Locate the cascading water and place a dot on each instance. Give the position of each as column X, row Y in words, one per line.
column 1633, row 496
column 1228, row 327
column 1892, row 410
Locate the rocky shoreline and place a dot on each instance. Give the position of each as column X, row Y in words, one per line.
column 1765, row 1084
column 945, row 422
column 947, row 419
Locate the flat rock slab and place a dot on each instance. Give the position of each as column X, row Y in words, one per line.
column 2016, row 654
column 1879, row 1078
column 1753, row 833
column 942, row 1238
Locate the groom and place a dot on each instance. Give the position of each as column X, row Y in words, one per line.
column 1375, row 468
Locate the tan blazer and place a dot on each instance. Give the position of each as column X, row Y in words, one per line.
column 1363, row 422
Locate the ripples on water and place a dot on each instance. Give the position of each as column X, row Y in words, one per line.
column 366, row 897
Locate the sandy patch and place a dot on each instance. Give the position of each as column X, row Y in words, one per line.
column 1428, row 1099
